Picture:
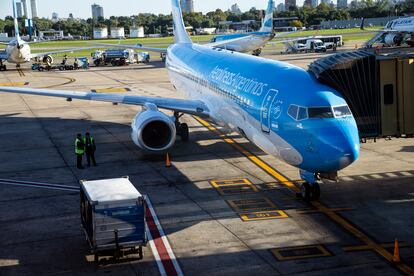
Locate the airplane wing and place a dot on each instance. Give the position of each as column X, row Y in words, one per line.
column 228, row 41
column 35, row 55
column 193, row 107
column 135, row 47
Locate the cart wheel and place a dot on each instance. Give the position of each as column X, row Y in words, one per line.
column 140, row 253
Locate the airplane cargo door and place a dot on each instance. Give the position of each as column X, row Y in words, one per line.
column 266, row 110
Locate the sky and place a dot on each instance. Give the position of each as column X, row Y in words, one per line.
column 82, row 8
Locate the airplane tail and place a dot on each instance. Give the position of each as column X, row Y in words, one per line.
column 267, row 25
column 180, row 34
column 16, row 24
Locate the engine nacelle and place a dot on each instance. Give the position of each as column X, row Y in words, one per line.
column 152, row 130
column 47, row 59
column 392, row 39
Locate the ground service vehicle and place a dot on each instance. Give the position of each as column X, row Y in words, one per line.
column 113, row 217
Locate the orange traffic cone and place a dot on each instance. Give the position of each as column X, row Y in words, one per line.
column 167, row 161
column 396, row 257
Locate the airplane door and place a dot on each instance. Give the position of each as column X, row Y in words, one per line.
column 266, row 110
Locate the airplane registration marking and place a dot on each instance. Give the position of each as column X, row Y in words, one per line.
column 334, row 216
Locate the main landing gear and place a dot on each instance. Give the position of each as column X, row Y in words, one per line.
column 2, row 66
column 182, row 128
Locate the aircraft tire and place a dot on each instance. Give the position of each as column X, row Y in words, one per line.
column 184, row 132
column 315, row 191
column 305, row 191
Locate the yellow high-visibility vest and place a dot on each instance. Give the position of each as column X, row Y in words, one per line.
column 78, row 150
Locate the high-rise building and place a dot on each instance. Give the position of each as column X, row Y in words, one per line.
column 33, row 6
column 25, row 12
column 19, row 9
column 280, row 7
column 187, row 6
column 55, row 16
column 97, row 11
column 342, row 4
column 290, row 4
column 315, row 3
column 235, row 9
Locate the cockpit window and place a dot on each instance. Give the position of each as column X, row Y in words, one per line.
column 342, row 111
column 303, row 113
column 293, row 111
column 320, row 112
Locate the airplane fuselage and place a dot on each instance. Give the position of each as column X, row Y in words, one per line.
column 253, row 41
column 18, row 52
column 405, row 24
column 279, row 107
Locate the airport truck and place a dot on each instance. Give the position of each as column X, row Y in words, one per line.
column 113, row 217
column 115, row 57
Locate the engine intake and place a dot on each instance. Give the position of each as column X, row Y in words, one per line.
column 153, row 131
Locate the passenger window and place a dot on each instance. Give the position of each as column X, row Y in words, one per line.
column 303, row 113
column 388, row 94
column 293, row 111
column 320, row 112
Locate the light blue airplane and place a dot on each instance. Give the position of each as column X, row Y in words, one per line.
column 279, row 107
column 254, row 41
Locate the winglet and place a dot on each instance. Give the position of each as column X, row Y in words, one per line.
column 180, row 34
column 16, row 24
column 268, row 20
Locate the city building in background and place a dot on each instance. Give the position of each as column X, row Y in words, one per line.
column 342, row 4
column 325, row 2
column 33, row 6
column 289, row 4
column 187, row 6
column 19, row 9
column 25, row 11
column 55, row 17
column 315, row 3
column 97, row 11
column 235, row 9
column 280, row 7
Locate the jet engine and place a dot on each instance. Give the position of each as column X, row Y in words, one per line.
column 47, row 59
column 152, row 130
column 392, row 39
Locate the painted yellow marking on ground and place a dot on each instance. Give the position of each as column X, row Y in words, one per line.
column 22, row 83
column 234, row 186
column 252, row 205
column 345, row 224
column 300, row 252
column 364, row 247
column 277, row 214
column 112, row 90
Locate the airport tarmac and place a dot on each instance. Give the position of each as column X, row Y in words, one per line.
column 224, row 205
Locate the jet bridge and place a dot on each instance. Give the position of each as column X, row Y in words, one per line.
column 378, row 88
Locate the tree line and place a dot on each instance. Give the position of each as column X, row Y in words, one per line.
column 160, row 24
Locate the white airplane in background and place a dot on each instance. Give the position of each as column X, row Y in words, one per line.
column 18, row 51
column 279, row 107
column 395, row 32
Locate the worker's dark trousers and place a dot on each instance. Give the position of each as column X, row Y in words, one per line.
column 79, row 160
column 90, row 155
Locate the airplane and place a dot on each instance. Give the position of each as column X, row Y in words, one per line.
column 18, row 51
column 281, row 108
column 395, row 32
column 254, row 41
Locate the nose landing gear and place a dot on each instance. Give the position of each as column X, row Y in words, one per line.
column 310, row 191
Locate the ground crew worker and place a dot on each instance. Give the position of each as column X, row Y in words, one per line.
column 90, row 148
column 65, row 60
column 79, row 150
